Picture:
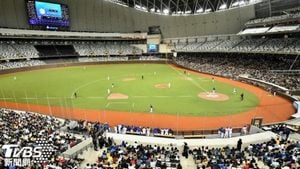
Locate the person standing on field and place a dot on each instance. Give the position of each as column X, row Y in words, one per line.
column 151, row 108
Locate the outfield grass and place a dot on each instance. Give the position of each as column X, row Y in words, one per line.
column 56, row 87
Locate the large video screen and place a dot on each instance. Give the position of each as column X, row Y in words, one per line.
column 152, row 48
column 48, row 15
column 48, row 10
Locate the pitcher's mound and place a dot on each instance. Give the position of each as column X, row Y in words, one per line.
column 161, row 85
column 128, row 79
column 213, row 96
column 117, row 96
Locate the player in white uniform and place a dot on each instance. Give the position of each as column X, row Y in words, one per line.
column 234, row 91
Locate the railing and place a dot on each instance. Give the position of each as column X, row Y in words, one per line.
column 286, row 71
column 77, row 149
column 283, row 89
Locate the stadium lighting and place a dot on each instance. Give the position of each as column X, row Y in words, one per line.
column 188, row 12
column 235, row 4
column 137, row 6
column 152, row 10
column 158, row 11
column 166, row 11
column 141, row 8
column 208, row 10
column 223, row 6
column 200, row 10
column 242, row 3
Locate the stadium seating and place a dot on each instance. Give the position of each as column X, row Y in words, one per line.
column 8, row 52
column 68, row 147
column 23, row 128
column 273, row 19
column 257, row 45
column 255, row 65
column 102, row 48
column 20, row 64
column 265, row 49
column 274, row 45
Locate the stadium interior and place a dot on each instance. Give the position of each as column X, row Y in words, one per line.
column 252, row 42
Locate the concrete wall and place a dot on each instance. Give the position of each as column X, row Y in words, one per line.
column 102, row 16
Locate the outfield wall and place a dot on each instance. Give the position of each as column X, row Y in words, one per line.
column 57, row 65
column 103, row 16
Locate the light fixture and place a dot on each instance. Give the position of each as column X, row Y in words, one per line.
column 223, row 6
column 166, row 11
column 208, row 10
column 242, row 3
column 235, row 4
column 188, row 12
column 199, row 10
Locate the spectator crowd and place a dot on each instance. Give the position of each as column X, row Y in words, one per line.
column 257, row 66
column 25, row 129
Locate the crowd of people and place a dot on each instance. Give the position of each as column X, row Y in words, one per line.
column 106, row 48
column 147, row 131
column 85, row 127
column 136, row 155
column 255, row 45
column 263, row 21
column 13, row 50
column 257, row 66
column 20, row 64
column 25, row 129
column 276, row 153
column 22, row 50
column 101, row 59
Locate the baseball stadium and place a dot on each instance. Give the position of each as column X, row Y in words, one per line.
column 162, row 84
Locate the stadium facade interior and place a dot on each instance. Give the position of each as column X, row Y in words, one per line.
column 252, row 46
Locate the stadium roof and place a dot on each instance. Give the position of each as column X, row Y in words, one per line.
column 181, row 7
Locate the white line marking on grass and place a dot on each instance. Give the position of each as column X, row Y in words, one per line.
column 184, row 96
column 110, row 103
column 140, row 96
column 6, row 98
column 95, row 97
column 57, row 97
column 86, row 84
column 120, row 102
column 30, row 98
column 105, row 79
column 162, row 96
column 192, row 80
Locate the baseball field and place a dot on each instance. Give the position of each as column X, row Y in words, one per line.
column 131, row 90
column 127, row 87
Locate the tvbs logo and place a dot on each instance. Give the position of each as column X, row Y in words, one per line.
column 20, row 156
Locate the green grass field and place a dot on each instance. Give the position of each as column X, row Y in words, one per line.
column 56, row 87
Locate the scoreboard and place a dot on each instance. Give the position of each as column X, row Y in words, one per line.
column 46, row 15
